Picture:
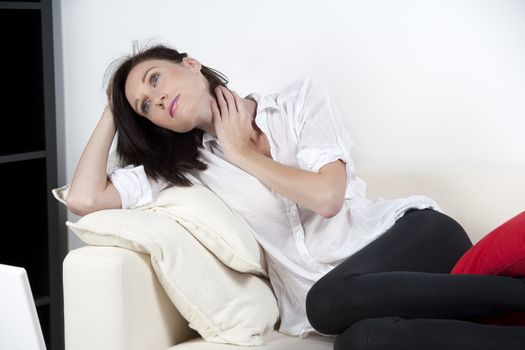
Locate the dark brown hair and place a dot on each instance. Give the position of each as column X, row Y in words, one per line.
column 163, row 153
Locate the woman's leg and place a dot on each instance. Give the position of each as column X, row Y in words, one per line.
column 404, row 273
column 394, row 333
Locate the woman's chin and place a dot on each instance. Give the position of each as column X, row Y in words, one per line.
column 180, row 129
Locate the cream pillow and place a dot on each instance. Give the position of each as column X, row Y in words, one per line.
column 214, row 224
column 243, row 310
column 210, row 221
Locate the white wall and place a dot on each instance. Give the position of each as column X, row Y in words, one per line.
column 420, row 83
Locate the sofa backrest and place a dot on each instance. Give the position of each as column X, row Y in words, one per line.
column 479, row 199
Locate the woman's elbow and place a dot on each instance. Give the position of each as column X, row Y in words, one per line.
column 83, row 204
column 332, row 206
column 331, row 212
column 79, row 206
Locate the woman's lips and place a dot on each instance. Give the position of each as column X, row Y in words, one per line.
column 174, row 104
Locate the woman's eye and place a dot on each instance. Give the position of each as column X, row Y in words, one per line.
column 154, row 78
column 153, row 81
column 145, row 107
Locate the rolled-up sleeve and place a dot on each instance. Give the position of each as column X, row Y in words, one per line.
column 134, row 186
column 322, row 137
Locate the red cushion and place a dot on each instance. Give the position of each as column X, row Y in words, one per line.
column 501, row 252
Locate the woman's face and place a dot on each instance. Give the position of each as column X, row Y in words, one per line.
column 153, row 85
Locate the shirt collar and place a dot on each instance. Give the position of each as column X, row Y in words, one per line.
column 264, row 102
column 207, row 137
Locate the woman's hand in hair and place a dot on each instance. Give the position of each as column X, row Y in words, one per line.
column 233, row 123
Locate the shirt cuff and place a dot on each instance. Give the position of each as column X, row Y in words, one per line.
column 314, row 159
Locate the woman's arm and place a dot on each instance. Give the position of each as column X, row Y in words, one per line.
column 90, row 190
column 323, row 191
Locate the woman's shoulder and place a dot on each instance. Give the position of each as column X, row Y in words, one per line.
column 300, row 89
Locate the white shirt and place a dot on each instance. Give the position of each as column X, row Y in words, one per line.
column 305, row 130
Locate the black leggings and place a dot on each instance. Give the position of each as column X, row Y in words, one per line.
column 397, row 293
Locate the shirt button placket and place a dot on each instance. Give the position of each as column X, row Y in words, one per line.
column 298, row 232
column 293, row 215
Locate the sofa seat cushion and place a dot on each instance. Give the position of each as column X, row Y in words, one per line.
column 273, row 341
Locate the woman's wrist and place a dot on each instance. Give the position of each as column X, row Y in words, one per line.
column 107, row 111
column 107, row 115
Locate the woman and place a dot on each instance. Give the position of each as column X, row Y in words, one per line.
column 375, row 273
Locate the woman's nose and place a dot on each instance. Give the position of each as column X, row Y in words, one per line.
column 160, row 100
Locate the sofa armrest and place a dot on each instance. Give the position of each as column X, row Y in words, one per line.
column 113, row 300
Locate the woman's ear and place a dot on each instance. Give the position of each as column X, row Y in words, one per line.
column 192, row 64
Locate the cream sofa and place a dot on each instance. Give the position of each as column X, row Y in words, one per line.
column 112, row 299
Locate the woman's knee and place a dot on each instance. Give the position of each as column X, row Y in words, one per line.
column 318, row 305
column 332, row 304
column 453, row 234
column 442, row 234
column 444, row 222
column 322, row 308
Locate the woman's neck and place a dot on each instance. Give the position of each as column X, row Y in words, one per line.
column 251, row 107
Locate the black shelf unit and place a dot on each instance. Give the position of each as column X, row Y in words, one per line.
column 32, row 236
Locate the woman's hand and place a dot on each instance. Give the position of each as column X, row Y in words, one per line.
column 232, row 122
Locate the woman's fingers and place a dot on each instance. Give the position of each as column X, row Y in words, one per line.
column 221, row 101
column 237, row 99
column 231, row 103
column 229, row 98
column 216, row 114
